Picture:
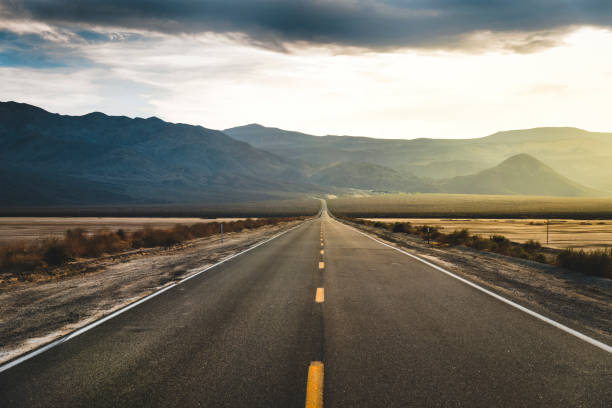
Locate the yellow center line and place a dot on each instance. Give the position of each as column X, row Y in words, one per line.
column 320, row 295
column 321, row 265
column 322, row 251
column 321, row 243
column 314, row 385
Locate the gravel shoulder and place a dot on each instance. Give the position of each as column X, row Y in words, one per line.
column 35, row 313
column 581, row 302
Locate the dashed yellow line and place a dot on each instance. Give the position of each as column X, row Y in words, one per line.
column 320, row 295
column 321, row 243
column 314, row 385
column 322, row 251
column 321, row 265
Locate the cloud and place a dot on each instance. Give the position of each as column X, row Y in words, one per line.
column 374, row 24
column 35, row 51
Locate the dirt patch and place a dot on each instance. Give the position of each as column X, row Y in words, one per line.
column 579, row 301
column 34, row 313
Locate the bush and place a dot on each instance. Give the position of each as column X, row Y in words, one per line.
column 56, row 255
column 460, row 237
column 501, row 244
column 532, row 246
column 398, row 227
column 596, row 263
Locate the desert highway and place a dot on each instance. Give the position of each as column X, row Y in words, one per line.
column 321, row 315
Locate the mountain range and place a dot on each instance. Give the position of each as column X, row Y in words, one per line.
column 94, row 159
column 576, row 154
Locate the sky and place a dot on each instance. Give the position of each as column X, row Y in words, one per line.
column 378, row 68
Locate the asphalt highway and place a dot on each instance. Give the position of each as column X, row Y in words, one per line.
column 321, row 315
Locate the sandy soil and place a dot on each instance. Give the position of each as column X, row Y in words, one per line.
column 31, row 228
column 34, row 313
column 577, row 234
column 579, row 301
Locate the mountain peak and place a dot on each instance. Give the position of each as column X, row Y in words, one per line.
column 519, row 174
column 95, row 115
column 250, row 126
column 521, row 158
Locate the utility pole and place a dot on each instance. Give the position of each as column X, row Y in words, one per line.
column 221, row 232
column 547, row 224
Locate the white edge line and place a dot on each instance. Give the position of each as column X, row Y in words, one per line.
column 558, row 325
column 116, row 313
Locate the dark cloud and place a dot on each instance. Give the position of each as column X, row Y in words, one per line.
column 34, row 51
column 361, row 23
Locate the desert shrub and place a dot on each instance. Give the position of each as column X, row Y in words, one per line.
column 539, row 258
column 459, row 237
column 398, row 227
column 103, row 242
column 532, row 246
column 518, row 251
column 597, row 263
column 56, row 254
column 19, row 256
column 402, row 227
column 501, row 245
column 75, row 242
column 477, row 242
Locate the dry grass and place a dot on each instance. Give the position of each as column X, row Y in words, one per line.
column 588, row 235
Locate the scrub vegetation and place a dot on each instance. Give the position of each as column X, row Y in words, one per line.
column 22, row 258
column 596, row 263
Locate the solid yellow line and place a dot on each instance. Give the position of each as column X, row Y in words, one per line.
column 320, row 295
column 314, row 385
column 321, row 265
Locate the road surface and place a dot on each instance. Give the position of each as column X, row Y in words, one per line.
column 374, row 327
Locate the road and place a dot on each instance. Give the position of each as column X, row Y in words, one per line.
column 374, row 327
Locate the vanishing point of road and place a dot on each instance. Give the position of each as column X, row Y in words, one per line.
column 320, row 315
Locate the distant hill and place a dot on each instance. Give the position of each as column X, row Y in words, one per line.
column 520, row 174
column 577, row 154
column 49, row 159
column 369, row 176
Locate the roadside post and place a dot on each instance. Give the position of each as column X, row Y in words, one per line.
column 221, row 232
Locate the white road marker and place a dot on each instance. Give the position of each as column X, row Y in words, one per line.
column 556, row 324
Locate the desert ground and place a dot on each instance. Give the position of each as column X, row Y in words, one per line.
column 471, row 206
column 32, row 228
column 570, row 233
